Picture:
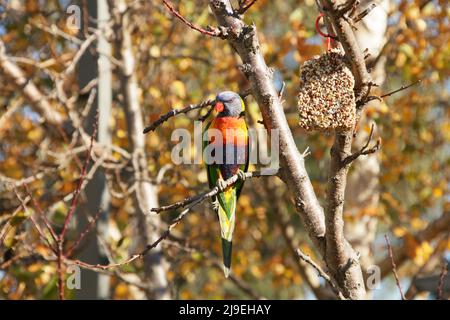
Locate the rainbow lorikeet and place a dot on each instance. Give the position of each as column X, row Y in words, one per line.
column 230, row 152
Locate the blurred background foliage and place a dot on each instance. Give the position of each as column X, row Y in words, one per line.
column 177, row 66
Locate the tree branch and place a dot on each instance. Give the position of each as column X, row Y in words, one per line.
column 394, row 267
column 442, row 276
column 441, row 224
column 365, row 150
column 175, row 112
column 207, row 194
column 212, row 32
column 245, row 5
column 321, row 273
column 341, row 258
column 29, row 89
column 346, row 37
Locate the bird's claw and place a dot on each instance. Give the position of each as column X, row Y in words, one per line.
column 241, row 175
column 221, row 185
column 215, row 205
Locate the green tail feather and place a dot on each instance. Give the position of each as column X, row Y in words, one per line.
column 227, row 247
column 227, row 214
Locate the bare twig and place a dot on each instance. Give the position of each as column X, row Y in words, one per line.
column 141, row 254
column 394, row 267
column 31, row 92
column 403, row 87
column 321, row 273
column 212, row 32
column 434, row 229
column 364, row 13
column 42, row 215
column 74, row 202
column 188, row 203
column 442, row 276
column 23, row 203
column 207, row 194
column 365, row 150
column 175, row 112
column 245, row 5
column 86, row 231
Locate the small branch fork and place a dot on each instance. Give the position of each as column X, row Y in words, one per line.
column 322, row 273
column 350, row 13
column 403, row 87
column 394, row 267
column 365, row 150
column 212, row 32
column 220, row 32
column 244, row 5
column 174, row 112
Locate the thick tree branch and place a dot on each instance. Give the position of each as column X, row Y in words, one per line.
column 29, row 89
column 342, row 260
column 347, row 39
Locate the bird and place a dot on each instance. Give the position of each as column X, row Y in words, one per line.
column 229, row 157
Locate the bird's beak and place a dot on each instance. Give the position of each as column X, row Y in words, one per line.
column 218, row 106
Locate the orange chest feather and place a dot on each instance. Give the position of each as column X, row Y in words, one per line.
column 233, row 130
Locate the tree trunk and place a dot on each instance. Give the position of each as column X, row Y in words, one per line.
column 95, row 285
column 145, row 196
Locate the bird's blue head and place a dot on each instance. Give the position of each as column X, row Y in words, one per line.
column 229, row 104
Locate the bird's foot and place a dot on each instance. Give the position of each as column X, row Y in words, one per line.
column 241, row 175
column 221, row 185
column 215, row 205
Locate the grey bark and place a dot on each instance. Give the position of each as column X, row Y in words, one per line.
column 145, row 196
column 96, row 285
column 30, row 90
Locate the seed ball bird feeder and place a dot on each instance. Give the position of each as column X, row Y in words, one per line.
column 326, row 100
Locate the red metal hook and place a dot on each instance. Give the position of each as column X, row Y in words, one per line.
column 325, row 35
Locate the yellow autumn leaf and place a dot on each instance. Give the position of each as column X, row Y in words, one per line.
column 35, row 134
column 256, row 272
column 121, row 134
column 423, row 253
column 178, row 88
column 400, row 231
column 437, row 192
column 122, row 291
column 418, row 224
